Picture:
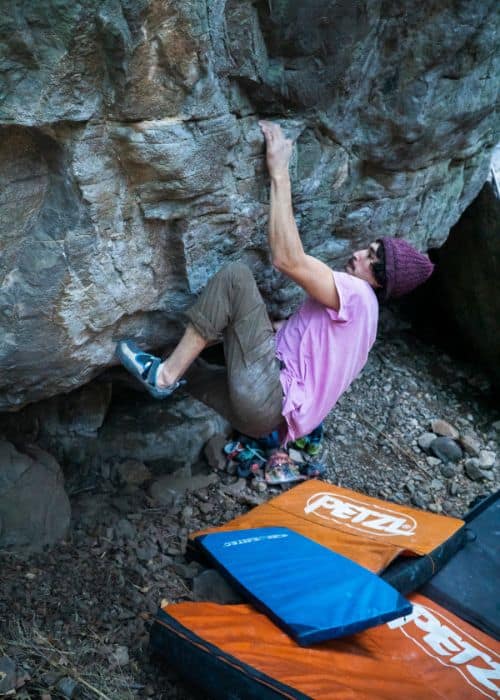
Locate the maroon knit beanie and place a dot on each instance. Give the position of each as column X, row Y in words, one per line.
column 405, row 267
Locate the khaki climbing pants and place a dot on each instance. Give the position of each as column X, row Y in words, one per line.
column 247, row 391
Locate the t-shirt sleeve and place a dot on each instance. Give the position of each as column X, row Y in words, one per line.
column 351, row 291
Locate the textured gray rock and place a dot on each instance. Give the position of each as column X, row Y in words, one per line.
column 470, row 443
column 62, row 425
column 131, row 472
column 8, row 676
column 166, row 433
column 211, row 586
column 425, row 440
column 446, row 449
column 85, row 428
column 131, row 163
column 447, row 470
column 444, row 429
column 214, row 452
column 473, row 470
column 487, row 459
column 34, row 508
column 168, row 488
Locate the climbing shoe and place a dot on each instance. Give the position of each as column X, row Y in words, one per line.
column 144, row 367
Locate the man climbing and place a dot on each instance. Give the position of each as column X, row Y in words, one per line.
column 291, row 380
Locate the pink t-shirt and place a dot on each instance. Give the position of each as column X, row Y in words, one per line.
column 323, row 352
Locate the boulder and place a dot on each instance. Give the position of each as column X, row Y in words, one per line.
column 165, row 434
column 34, row 508
column 132, row 165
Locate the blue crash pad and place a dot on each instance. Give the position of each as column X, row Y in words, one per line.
column 312, row 593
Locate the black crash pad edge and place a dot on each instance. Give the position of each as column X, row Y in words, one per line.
column 408, row 574
column 201, row 664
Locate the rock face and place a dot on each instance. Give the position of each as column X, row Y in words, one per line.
column 34, row 508
column 86, row 430
column 131, row 162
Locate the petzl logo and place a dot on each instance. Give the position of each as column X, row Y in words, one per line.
column 452, row 647
column 360, row 516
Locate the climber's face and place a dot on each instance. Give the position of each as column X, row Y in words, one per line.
column 360, row 264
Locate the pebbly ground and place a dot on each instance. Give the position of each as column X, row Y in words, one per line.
column 74, row 620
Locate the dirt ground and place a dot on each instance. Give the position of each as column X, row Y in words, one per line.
column 74, row 620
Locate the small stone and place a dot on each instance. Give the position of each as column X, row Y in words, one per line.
column 444, row 429
column 214, row 452
column 187, row 571
column 210, row 585
column 447, row 470
column 446, row 449
column 119, row 656
column 8, row 676
column 296, row 455
column 169, row 489
column 236, row 488
column 67, row 687
column 425, row 440
column 50, row 677
column 258, row 486
column 132, row 472
column 125, row 529
column 487, row 459
column 206, row 508
column 496, row 426
column 147, row 552
column 436, row 484
column 435, row 507
column 473, row 470
column 173, row 551
column 187, row 513
column 453, row 488
column 410, row 488
column 470, row 443
column 433, row 461
column 420, row 500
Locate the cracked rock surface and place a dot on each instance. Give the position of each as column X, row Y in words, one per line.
column 131, row 162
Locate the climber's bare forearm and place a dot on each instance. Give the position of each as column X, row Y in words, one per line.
column 287, row 252
column 286, row 247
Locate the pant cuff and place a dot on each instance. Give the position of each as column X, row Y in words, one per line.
column 202, row 325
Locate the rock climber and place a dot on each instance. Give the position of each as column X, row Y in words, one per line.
column 289, row 380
